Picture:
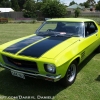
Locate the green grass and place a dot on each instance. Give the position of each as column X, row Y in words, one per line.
column 86, row 86
column 12, row 31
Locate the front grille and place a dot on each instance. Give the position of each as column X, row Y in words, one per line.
column 21, row 64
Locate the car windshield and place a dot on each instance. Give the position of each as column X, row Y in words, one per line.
column 51, row 28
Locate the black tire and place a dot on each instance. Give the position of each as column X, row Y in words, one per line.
column 98, row 49
column 71, row 74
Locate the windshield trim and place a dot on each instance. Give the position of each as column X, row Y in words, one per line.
column 40, row 27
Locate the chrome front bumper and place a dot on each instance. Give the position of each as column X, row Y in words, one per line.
column 40, row 76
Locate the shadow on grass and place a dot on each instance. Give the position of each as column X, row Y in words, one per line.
column 98, row 78
column 80, row 67
column 13, row 86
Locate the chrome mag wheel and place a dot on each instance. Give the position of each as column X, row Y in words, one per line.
column 71, row 73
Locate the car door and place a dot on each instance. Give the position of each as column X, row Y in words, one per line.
column 91, row 38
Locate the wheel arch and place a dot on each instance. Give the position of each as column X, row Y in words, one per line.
column 67, row 64
column 77, row 59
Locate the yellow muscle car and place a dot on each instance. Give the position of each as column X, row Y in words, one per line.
column 54, row 52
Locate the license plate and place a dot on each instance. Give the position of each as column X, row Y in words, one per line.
column 17, row 74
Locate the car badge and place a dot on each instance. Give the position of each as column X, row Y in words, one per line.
column 17, row 63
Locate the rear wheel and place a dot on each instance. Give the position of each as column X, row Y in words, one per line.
column 70, row 74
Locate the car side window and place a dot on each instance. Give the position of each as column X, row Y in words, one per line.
column 90, row 28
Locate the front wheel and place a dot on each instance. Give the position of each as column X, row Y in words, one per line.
column 70, row 74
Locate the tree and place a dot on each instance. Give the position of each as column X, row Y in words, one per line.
column 91, row 2
column 77, row 12
column 98, row 5
column 5, row 3
column 53, row 9
column 15, row 5
column 30, row 8
column 1, row 1
column 81, row 4
column 38, row 5
column 42, row 0
column 86, row 4
column 38, row 0
column 21, row 3
column 72, row 3
column 29, row 5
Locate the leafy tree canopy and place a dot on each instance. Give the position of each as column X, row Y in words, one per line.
column 98, row 5
column 53, row 9
column 30, row 8
column 5, row 3
column 86, row 4
column 72, row 3
column 21, row 3
column 91, row 2
column 14, row 5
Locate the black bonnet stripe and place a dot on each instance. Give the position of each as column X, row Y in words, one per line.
column 41, row 47
column 20, row 45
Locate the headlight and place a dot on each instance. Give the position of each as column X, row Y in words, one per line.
column 50, row 68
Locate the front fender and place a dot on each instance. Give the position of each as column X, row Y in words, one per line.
column 62, row 69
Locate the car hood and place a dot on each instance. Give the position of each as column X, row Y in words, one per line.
column 39, row 46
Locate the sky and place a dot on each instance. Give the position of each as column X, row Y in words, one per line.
column 77, row 1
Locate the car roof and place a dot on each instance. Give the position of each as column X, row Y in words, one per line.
column 70, row 19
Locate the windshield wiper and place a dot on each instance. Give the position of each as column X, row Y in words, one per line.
column 44, row 33
column 62, row 35
column 72, row 34
column 51, row 33
column 47, row 33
